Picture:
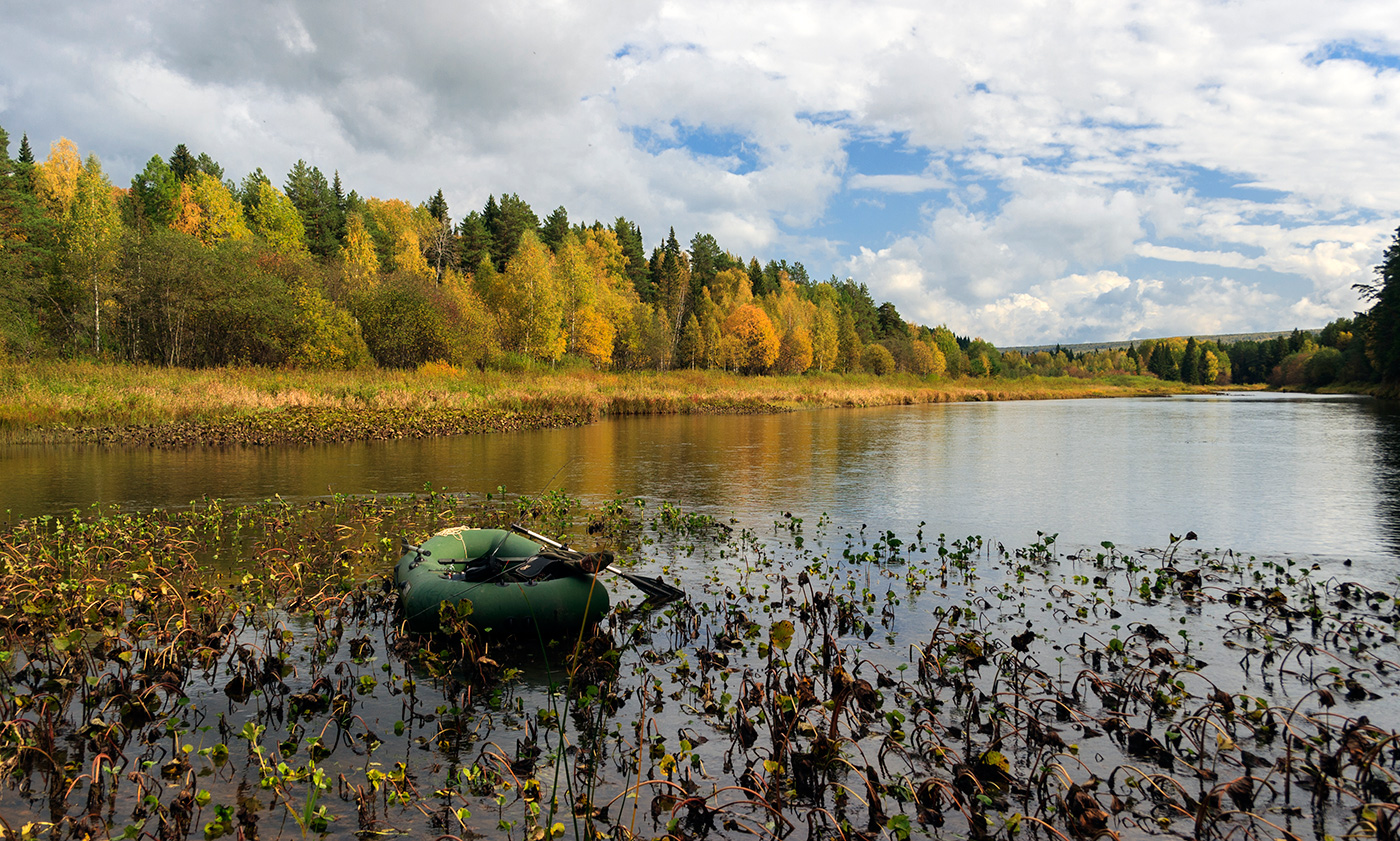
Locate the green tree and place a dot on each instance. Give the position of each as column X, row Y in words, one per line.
column 311, row 195
column 1381, row 330
column 156, row 190
column 276, row 219
column 629, row 236
column 508, row 222
column 474, row 243
column 26, row 239
column 1190, row 364
column 555, row 229
column 182, row 163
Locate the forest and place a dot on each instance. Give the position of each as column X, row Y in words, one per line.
column 186, row 267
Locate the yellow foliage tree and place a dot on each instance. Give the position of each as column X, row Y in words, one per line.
column 752, row 341
column 594, row 337
column 826, row 344
column 358, row 254
column 276, row 220
column 920, row 359
column 795, row 351
column 81, row 200
column 208, row 211
column 535, row 308
column 939, row 367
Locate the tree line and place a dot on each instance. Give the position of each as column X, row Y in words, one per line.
column 185, row 267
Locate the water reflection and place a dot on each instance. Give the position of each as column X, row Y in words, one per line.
column 1262, row 475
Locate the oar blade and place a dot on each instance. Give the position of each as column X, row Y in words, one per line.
column 654, row 588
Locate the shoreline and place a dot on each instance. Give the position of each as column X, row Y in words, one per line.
column 120, row 405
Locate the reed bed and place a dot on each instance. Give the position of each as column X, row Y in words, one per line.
column 89, row 401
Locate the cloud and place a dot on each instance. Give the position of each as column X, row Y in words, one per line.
column 1239, row 153
column 896, row 183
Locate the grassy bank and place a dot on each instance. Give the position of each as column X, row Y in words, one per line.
column 55, row 401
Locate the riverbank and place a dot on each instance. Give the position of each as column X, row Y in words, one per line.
column 87, row 402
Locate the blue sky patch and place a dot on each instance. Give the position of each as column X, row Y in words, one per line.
column 1350, row 50
column 701, row 142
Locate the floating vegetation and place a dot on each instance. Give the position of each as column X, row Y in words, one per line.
column 241, row 671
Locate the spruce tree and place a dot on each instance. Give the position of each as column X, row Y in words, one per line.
column 1190, row 363
column 182, row 163
column 555, row 229
column 26, row 155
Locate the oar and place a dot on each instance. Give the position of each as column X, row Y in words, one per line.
column 654, row 588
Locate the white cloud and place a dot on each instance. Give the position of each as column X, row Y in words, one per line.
column 1060, row 144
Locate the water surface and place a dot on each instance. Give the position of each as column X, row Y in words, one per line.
column 1307, row 477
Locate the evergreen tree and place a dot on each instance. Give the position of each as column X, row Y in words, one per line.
column 26, row 155
column 555, row 229
column 1381, row 329
column 437, row 205
column 508, row 223
column 182, row 163
column 209, row 166
column 311, row 194
column 1191, row 363
column 1161, row 362
column 889, row 322
column 341, row 206
column 156, row 191
column 248, row 189
column 629, row 236
column 474, row 243
column 705, row 259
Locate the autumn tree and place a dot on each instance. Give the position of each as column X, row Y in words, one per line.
column 209, row 212
column 358, row 256
column 877, row 359
column 534, row 310
column 81, row 201
column 754, row 341
column 274, row 218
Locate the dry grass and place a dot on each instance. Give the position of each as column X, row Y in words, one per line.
column 57, row 394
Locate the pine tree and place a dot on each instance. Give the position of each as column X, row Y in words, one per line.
column 26, row 155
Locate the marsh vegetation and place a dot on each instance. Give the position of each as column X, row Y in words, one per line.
column 239, row 670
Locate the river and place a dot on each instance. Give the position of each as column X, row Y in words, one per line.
column 1310, row 478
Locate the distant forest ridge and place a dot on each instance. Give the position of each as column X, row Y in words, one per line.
column 1123, row 344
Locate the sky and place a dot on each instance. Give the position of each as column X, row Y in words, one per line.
column 1024, row 171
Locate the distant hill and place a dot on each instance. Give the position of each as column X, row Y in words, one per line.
column 1222, row 338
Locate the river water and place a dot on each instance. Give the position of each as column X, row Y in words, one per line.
column 1310, row 478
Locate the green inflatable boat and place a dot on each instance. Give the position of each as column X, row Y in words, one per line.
column 514, row 584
